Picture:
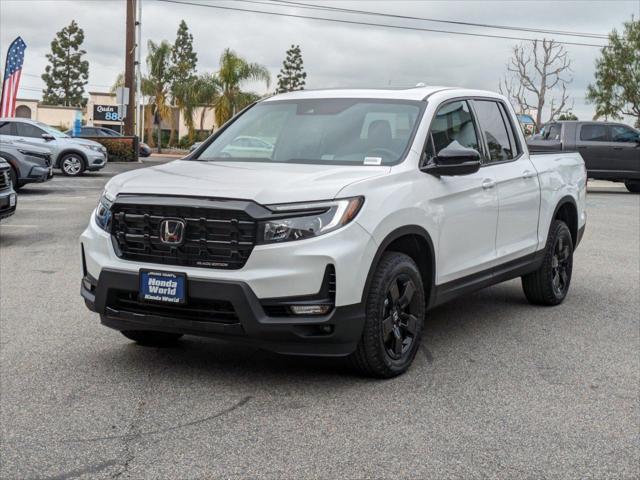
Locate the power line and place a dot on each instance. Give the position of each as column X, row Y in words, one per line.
column 287, row 3
column 88, row 84
column 370, row 24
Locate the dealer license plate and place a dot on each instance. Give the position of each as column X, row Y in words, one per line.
column 164, row 287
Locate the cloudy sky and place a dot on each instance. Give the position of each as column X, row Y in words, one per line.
column 335, row 54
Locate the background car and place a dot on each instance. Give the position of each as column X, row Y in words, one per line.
column 144, row 150
column 8, row 197
column 247, row 147
column 27, row 163
column 72, row 155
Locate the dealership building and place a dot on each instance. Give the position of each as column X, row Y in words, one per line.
column 102, row 111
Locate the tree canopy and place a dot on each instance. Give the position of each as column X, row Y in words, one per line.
column 616, row 90
column 67, row 73
column 292, row 75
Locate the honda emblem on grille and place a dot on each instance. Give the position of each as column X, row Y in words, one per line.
column 172, row 231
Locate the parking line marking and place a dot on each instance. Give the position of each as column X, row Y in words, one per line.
column 19, row 226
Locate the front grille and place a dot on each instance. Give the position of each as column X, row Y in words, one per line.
column 213, row 238
column 196, row 309
column 5, row 181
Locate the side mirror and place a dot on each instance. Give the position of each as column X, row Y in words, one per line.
column 48, row 137
column 454, row 160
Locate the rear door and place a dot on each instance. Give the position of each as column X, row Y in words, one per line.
column 467, row 205
column 625, row 145
column 516, row 180
column 592, row 143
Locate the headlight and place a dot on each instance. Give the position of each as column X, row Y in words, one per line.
column 97, row 148
column 299, row 221
column 103, row 211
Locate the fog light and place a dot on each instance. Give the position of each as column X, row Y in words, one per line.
column 310, row 309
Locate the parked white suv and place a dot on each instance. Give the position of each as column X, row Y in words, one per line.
column 369, row 208
column 71, row 155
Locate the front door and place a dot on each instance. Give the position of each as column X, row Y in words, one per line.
column 466, row 205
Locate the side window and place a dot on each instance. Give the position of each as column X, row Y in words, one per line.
column 7, row 128
column 593, row 133
column 495, row 131
column 620, row 133
column 553, row 133
column 452, row 123
column 28, row 130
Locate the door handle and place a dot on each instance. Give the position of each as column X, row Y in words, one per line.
column 528, row 174
column 488, row 183
column 581, row 147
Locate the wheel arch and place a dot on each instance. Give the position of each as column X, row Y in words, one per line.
column 415, row 242
column 68, row 151
column 567, row 211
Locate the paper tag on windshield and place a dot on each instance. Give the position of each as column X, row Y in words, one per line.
column 372, row 160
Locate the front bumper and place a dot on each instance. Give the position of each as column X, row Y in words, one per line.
column 113, row 296
column 37, row 174
column 8, row 203
column 96, row 162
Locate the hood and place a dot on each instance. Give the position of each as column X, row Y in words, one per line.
column 264, row 183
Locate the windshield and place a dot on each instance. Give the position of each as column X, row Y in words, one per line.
column 52, row 131
column 332, row 131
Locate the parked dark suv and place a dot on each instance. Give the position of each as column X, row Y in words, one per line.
column 611, row 151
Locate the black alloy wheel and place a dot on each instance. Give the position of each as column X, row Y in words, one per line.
column 399, row 324
column 561, row 267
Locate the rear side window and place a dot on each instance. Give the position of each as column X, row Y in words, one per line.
column 492, row 123
column 6, row 128
column 28, row 130
column 553, row 132
column 593, row 133
column 452, row 123
column 620, row 133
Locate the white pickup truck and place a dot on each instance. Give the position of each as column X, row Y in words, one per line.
column 330, row 222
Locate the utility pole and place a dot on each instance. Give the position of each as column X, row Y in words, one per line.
column 139, row 104
column 129, row 66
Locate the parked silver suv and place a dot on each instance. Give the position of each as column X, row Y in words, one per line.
column 71, row 155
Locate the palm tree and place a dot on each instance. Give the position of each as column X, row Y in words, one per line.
column 156, row 85
column 202, row 91
column 233, row 71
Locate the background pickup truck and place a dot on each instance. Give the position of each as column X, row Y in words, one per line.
column 611, row 151
column 361, row 210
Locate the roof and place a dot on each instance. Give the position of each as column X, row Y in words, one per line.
column 416, row 93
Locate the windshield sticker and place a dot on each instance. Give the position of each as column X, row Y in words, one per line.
column 372, row 160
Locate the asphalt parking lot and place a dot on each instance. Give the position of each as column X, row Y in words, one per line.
column 501, row 389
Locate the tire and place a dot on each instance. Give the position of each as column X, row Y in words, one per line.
column 72, row 164
column 151, row 338
column 13, row 175
column 549, row 284
column 632, row 185
column 394, row 318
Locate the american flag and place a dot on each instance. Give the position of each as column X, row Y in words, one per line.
column 11, row 81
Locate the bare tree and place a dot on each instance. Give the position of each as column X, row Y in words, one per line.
column 534, row 71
